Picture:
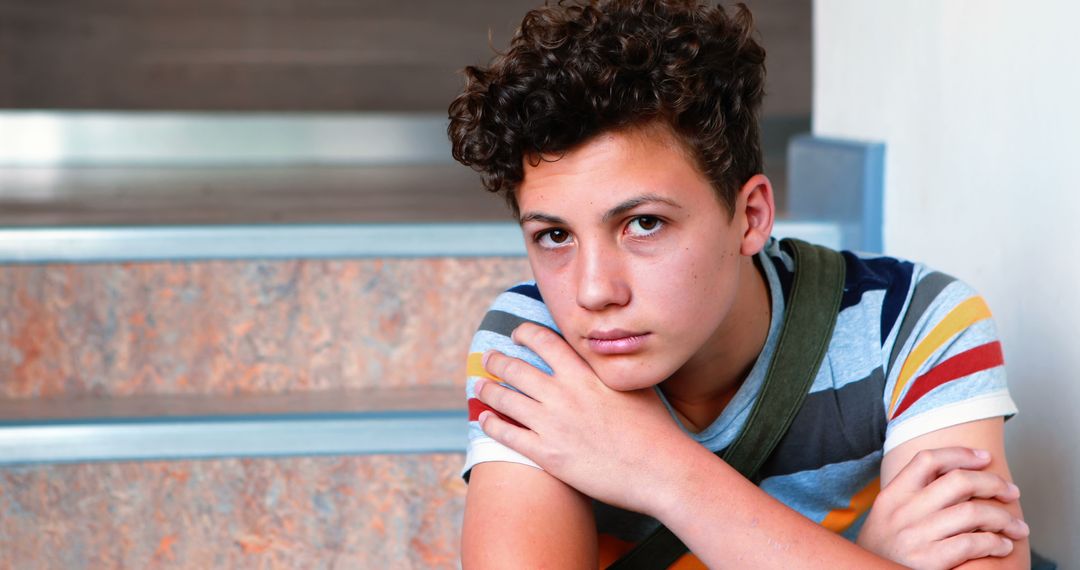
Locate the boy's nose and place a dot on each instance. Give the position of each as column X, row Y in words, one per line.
column 601, row 282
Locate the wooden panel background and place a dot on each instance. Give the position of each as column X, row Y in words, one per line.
column 272, row 55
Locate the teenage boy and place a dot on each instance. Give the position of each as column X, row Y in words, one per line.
column 624, row 136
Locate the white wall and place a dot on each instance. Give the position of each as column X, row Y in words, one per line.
column 978, row 102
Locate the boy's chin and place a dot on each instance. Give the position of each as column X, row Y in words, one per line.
column 623, row 382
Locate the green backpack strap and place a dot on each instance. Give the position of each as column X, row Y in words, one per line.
column 816, row 290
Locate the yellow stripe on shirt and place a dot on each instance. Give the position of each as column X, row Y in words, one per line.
column 961, row 317
column 475, row 366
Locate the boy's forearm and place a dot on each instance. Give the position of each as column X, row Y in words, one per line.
column 753, row 529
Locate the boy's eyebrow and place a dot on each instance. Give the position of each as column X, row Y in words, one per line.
column 632, row 203
column 621, row 208
column 540, row 217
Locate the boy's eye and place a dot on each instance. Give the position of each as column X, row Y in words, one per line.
column 553, row 238
column 644, row 225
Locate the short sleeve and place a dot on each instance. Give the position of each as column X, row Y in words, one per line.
column 947, row 366
column 519, row 304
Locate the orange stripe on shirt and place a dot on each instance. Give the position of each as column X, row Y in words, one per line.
column 966, row 363
column 611, row 549
column 839, row 520
column 961, row 317
column 688, row 562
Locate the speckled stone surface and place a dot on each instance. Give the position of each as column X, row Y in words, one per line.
column 323, row 512
column 241, row 327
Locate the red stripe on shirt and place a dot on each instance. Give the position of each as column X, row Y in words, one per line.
column 966, row 363
column 476, row 406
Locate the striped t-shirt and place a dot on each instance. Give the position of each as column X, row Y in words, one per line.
column 913, row 351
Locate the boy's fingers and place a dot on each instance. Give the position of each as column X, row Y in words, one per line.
column 954, row 551
column 1017, row 530
column 960, row 485
column 520, row 407
column 519, row 439
column 974, row 516
column 516, row 372
column 549, row 346
column 929, row 464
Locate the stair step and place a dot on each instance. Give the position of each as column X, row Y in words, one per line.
column 74, row 138
column 199, row 195
column 242, row 326
column 371, row 511
column 90, row 244
column 420, row 419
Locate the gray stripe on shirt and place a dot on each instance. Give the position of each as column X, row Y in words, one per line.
column 504, row 323
column 926, row 291
column 832, row 426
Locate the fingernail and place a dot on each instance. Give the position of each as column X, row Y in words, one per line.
column 480, row 383
column 1013, row 489
column 484, row 359
column 1007, row 545
column 982, row 454
column 1023, row 526
column 484, row 415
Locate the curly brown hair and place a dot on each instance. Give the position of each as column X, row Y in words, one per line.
column 573, row 71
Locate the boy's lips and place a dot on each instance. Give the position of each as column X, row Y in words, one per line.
column 616, row 341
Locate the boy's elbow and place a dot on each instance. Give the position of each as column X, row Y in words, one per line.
column 518, row 516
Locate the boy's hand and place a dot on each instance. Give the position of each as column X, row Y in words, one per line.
column 931, row 516
column 603, row 442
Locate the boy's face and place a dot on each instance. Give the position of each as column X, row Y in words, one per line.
column 635, row 255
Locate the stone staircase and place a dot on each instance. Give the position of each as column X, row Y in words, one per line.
column 293, row 413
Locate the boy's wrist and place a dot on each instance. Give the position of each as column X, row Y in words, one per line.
column 679, row 481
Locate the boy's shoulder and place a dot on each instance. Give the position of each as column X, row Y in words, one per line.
column 517, row 304
column 882, row 294
column 922, row 340
column 889, row 278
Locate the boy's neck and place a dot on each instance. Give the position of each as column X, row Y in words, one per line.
column 703, row 387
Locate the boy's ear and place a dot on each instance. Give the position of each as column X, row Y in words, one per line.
column 756, row 210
